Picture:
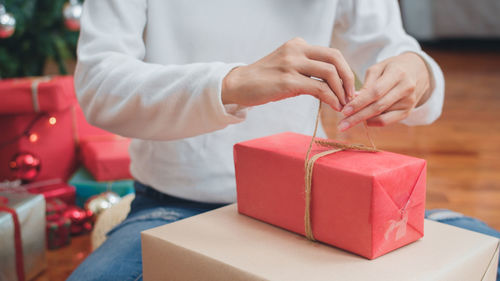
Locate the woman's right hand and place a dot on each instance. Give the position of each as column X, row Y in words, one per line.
column 287, row 72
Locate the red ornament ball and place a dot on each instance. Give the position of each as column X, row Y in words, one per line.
column 81, row 220
column 25, row 166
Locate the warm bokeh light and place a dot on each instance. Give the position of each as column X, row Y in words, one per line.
column 52, row 120
column 33, row 137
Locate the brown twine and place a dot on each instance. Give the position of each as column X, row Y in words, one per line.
column 309, row 165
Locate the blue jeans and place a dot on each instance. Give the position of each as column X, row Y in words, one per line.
column 119, row 258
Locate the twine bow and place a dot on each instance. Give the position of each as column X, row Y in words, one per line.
column 309, row 165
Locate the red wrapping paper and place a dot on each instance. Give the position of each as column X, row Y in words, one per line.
column 61, row 191
column 54, row 94
column 107, row 159
column 365, row 203
column 54, row 145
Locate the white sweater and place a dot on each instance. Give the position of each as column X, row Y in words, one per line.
column 152, row 71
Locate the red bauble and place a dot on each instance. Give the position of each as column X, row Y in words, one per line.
column 25, row 166
column 81, row 220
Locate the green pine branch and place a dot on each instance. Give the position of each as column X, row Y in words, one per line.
column 40, row 35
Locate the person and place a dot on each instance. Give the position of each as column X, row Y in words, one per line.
column 189, row 79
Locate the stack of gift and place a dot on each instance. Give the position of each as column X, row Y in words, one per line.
column 359, row 200
column 22, row 235
column 37, row 124
column 43, row 131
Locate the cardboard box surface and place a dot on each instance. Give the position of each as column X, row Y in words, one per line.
column 224, row 245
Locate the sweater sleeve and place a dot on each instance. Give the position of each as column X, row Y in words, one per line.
column 368, row 32
column 122, row 93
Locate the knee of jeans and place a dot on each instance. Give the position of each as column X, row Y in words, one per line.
column 158, row 214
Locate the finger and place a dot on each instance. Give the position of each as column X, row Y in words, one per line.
column 373, row 92
column 325, row 71
column 372, row 74
column 318, row 89
column 335, row 57
column 373, row 109
column 387, row 118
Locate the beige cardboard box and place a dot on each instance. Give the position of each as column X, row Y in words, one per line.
column 224, row 245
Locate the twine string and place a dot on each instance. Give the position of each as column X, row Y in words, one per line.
column 309, row 165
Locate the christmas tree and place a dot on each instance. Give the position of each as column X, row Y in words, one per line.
column 44, row 30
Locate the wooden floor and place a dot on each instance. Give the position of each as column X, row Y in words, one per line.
column 462, row 148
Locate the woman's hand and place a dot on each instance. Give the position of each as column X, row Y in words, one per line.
column 287, row 72
column 391, row 90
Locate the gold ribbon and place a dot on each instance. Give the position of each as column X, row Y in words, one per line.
column 309, row 164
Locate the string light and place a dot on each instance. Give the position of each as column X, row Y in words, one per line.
column 52, row 120
column 33, row 137
column 26, row 133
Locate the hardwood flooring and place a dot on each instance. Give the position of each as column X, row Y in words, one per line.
column 462, row 148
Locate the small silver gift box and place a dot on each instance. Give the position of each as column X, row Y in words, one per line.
column 30, row 210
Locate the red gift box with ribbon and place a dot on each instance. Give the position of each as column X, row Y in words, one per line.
column 50, row 189
column 54, row 189
column 368, row 203
column 38, row 128
column 36, row 94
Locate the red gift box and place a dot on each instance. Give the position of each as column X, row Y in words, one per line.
column 36, row 94
column 61, row 191
column 365, row 203
column 46, row 137
column 107, row 159
column 38, row 128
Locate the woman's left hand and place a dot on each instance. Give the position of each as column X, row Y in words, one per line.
column 391, row 90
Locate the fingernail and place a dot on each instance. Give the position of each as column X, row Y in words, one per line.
column 343, row 126
column 347, row 110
